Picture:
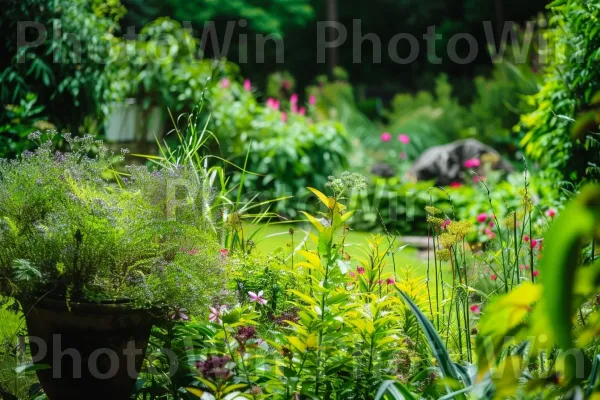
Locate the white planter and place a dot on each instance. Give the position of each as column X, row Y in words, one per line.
column 128, row 122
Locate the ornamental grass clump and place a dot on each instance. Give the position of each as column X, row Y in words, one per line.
column 73, row 228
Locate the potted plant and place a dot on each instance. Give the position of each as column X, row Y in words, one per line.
column 94, row 257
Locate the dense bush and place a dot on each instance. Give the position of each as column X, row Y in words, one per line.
column 283, row 149
column 561, row 133
column 68, row 233
column 59, row 71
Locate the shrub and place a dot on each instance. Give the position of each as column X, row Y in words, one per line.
column 69, row 233
column 561, row 132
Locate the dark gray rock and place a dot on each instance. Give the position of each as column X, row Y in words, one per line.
column 445, row 164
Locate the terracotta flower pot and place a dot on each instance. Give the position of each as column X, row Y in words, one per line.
column 94, row 351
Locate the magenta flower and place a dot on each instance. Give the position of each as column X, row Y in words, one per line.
column 391, row 281
column 475, row 309
column 351, row 274
column 533, row 243
column 294, row 99
column 551, row 212
column 284, row 117
column 445, row 223
column 472, row 163
column 536, row 273
column 494, row 277
column 455, row 185
column 223, row 253
column 523, row 267
column 526, row 238
column 247, row 85
column 216, row 313
column 403, row 138
column 360, row 269
column 272, row 103
column 312, row 100
column 225, row 83
column 294, row 108
column 257, row 298
column 386, row 137
column 302, row 111
column 482, row 217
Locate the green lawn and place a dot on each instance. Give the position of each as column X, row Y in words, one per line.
column 271, row 237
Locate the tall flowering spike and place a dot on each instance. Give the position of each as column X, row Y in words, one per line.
column 257, row 298
column 294, row 99
column 247, row 85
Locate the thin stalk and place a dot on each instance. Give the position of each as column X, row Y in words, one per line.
column 428, row 275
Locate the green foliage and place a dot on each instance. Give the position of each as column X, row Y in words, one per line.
column 65, row 68
column 67, row 232
column 559, row 133
column 284, row 150
column 17, row 122
column 266, row 16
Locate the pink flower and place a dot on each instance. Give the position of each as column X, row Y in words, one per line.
column 533, row 243
column 455, row 184
column 472, row 163
column 402, row 155
column 445, row 223
column 302, row 111
column 272, row 103
column 225, row 83
column 536, row 273
column 351, row 274
column 386, row 137
column 391, row 281
column 488, row 231
column 523, row 267
column 192, row 252
column 482, row 217
column 223, row 253
column 287, row 85
column 216, row 313
column 380, row 282
column 491, row 235
column 294, row 99
column 360, row 269
column 179, row 314
column 312, row 100
column 526, row 238
column 403, row 138
column 491, row 224
column 475, row 309
column 254, row 297
column 284, row 117
column 494, row 277
column 551, row 212
column 247, row 85
column 294, row 108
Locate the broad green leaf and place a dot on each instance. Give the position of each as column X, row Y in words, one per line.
column 438, row 349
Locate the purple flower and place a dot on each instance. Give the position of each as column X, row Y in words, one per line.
column 257, row 298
